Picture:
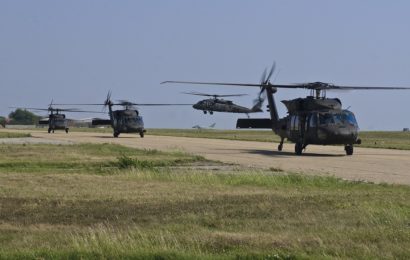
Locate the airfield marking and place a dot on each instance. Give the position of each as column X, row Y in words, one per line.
column 375, row 165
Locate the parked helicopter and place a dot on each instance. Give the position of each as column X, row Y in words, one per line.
column 212, row 126
column 216, row 104
column 126, row 120
column 315, row 119
column 56, row 120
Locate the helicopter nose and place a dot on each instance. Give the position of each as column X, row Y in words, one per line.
column 346, row 135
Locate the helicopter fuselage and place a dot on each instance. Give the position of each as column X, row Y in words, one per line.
column 57, row 122
column 323, row 127
column 127, row 121
column 220, row 105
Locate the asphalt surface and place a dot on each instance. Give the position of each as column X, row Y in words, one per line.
column 367, row 164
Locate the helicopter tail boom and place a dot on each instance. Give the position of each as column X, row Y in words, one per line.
column 272, row 105
column 255, row 123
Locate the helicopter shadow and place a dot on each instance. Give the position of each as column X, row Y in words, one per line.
column 111, row 137
column 272, row 153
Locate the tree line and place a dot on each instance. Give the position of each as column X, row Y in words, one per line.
column 20, row 117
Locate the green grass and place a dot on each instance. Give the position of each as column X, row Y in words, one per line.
column 141, row 208
column 13, row 135
column 384, row 139
column 95, row 158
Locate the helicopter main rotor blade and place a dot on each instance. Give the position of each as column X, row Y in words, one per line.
column 314, row 85
column 328, row 86
column 100, row 104
column 213, row 83
column 34, row 108
column 153, row 104
column 214, row 95
column 81, row 111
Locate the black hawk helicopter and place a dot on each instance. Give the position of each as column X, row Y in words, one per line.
column 126, row 120
column 56, row 120
column 315, row 119
column 215, row 104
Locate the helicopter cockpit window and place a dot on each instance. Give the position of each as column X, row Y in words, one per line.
column 326, row 119
column 338, row 119
column 129, row 120
column 349, row 117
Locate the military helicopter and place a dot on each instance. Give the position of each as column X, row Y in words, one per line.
column 212, row 126
column 126, row 120
column 215, row 104
column 56, row 120
column 315, row 119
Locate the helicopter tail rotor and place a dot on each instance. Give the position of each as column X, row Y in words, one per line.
column 265, row 81
column 108, row 101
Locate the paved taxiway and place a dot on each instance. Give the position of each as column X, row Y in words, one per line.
column 375, row 165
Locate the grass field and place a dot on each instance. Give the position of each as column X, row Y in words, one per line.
column 13, row 135
column 108, row 201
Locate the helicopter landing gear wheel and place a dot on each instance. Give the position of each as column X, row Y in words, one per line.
column 280, row 146
column 204, row 112
column 66, row 130
column 142, row 134
column 349, row 149
column 49, row 130
column 211, row 112
column 298, row 148
column 116, row 134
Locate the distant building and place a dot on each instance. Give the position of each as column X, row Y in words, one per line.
column 20, row 126
column 406, row 129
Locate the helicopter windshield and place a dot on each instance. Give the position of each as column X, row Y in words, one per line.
column 338, row 118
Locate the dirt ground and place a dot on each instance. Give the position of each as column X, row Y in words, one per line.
column 374, row 165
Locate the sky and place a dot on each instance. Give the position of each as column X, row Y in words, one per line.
column 77, row 50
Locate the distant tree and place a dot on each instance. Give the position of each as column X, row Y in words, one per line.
column 23, row 117
column 2, row 121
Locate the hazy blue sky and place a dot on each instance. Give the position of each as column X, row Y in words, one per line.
column 75, row 51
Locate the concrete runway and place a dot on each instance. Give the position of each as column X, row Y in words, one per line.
column 374, row 165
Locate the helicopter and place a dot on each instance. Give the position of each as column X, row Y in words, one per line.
column 126, row 120
column 314, row 119
column 212, row 126
column 56, row 120
column 215, row 104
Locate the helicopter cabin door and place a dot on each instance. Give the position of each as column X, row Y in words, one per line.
column 294, row 128
column 311, row 126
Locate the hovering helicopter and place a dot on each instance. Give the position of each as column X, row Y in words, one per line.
column 56, row 120
column 126, row 120
column 216, row 104
column 315, row 119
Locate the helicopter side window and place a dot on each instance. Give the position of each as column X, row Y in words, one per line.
column 326, row 119
column 313, row 120
column 294, row 123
